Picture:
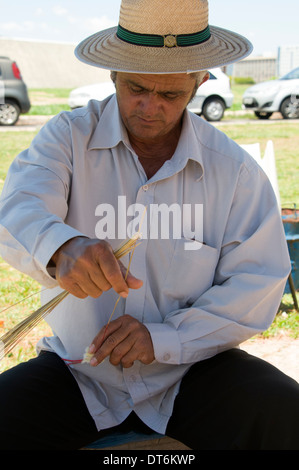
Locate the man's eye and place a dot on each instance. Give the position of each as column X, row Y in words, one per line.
column 170, row 96
column 135, row 89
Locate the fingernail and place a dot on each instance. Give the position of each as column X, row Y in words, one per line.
column 93, row 361
column 91, row 349
column 124, row 294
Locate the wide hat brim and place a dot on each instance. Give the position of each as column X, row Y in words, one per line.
column 105, row 50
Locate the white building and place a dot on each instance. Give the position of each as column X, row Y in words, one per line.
column 258, row 68
column 50, row 64
column 288, row 59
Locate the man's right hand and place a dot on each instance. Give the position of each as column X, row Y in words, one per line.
column 88, row 267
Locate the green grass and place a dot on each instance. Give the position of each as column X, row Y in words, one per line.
column 16, row 290
column 238, row 91
column 47, row 101
column 286, row 320
column 285, row 137
column 10, row 146
column 47, row 109
column 55, row 93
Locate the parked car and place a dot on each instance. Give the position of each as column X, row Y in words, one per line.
column 213, row 97
column 14, row 99
column 79, row 97
column 211, row 100
column 280, row 95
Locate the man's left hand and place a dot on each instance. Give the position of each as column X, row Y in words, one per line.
column 125, row 340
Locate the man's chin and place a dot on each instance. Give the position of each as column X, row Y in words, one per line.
column 146, row 132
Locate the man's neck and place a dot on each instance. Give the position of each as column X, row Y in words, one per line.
column 154, row 153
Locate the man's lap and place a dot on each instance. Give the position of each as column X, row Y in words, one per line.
column 42, row 399
column 237, row 401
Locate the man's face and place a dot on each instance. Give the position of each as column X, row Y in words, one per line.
column 152, row 106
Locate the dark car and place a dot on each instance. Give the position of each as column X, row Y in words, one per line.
column 14, row 99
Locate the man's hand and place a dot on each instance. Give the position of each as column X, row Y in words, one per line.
column 88, row 267
column 125, row 340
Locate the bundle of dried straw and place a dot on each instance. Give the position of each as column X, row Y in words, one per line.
column 10, row 339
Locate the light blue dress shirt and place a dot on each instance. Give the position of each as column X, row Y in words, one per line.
column 196, row 302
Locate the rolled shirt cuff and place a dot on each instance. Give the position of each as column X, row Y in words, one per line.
column 166, row 343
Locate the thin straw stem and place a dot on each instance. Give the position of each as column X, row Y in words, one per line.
column 16, row 334
column 10, row 339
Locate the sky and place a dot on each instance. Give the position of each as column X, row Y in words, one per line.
column 268, row 24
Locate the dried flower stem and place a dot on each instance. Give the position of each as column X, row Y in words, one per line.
column 10, row 339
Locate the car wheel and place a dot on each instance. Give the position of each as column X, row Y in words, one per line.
column 290, row 108
column 9, row 113
column 262, row 115
column 213, row 109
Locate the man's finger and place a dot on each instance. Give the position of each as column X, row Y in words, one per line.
column 111, row 270
column 132, row 281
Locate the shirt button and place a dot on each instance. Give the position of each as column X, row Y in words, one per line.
column 145, row 187
column 166, row 357
column 133, row 378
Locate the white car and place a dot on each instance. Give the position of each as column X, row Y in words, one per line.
column 211, row 100
column 99, row 91
column 213, row 97
column 280, row 95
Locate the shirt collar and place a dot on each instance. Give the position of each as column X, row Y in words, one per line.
column 110, row 131
column 189, row 146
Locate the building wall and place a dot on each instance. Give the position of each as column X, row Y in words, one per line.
column 50, row 64
column 288, row 59
column 258, row 68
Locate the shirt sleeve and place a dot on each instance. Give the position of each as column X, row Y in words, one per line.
column 248, row 284
column 33, row 203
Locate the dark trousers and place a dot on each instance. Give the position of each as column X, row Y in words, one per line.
column 231, row 401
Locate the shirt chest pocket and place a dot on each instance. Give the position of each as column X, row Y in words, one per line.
column 191, row 272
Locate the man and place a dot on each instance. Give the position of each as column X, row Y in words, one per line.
column 168, row 358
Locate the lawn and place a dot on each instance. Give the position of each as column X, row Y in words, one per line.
column 285, row 137
column 238, row 91
column 47, row 101
column 15, row 286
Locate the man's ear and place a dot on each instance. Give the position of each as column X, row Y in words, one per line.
column 205, row 78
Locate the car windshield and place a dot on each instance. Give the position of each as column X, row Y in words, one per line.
column 291, row 75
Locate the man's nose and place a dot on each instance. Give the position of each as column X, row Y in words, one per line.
column 150, row 103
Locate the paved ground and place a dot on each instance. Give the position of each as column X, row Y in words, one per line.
column 282, row 352
column 26, row 123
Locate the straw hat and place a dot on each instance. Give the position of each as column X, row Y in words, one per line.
column 163, row 36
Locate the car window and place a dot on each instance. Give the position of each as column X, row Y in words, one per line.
column 212, row 77
column 291, row 75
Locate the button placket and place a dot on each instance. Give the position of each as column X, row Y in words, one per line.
column 135, row 384
column 136, row 298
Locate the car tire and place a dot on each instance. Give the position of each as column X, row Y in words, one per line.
column 213, row 109
column 262, row 114
column 9, row 113
column 290, row 108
